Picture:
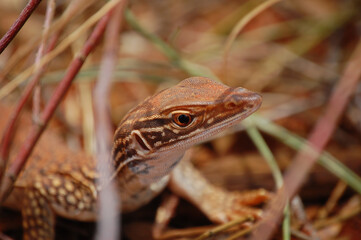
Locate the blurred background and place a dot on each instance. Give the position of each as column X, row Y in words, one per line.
column 293, row 53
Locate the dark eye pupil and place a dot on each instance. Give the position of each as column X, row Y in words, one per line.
column 184, row 119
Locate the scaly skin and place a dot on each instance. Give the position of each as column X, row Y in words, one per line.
column 149, row 142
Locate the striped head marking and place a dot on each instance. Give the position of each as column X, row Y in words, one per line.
column 174, row 119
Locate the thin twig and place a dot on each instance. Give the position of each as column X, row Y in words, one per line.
column 299, row 212
column 108, row 201
column 331, row 203
column 184, row 233
column 244, row 21
column 74, row 9
column 240, row 234
column 50, row 8
column 176, row 59
column 273, row 64
column 223, row 227
column 59, row 93
column 10, row 127
column 9, row 87
column 9, row 130
column 337, row 219
column 240, row 26
column 300, row 235
column 18, row 24
column 326, row 160
column 318, row 139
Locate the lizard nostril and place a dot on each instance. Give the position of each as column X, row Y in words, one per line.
column 256, row 99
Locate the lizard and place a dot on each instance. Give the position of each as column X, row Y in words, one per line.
column 147, row 148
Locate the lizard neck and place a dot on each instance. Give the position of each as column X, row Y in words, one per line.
column 139, row 178
column 131, row 163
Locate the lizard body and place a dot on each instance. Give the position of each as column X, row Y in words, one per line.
column 149, row 142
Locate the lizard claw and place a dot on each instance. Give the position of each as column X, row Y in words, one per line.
column 230, row 206
column 217, row 204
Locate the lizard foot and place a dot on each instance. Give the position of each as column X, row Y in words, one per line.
column 227, row 206
column 217, row 204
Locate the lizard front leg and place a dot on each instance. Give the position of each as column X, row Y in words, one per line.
column 216, row 203
column 55, row 194
column 38, row 217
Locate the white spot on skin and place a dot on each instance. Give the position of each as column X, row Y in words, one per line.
column 69, row 186
column 119, row 155
column 158, row 186
column 210, row 120
column 56, row 182
column 154, row 129
column 31, row 195
column 195, row 132
column 81, row 206
column 157, row 144
column 78, row 194
column 52, row 191
column 128, row 122
column 38, row 185
column 71, row 199
column 149, row 118
column 168, row 127
column 61, row 200
column 62, row 191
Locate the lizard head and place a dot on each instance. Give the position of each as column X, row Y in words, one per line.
column 176, row 118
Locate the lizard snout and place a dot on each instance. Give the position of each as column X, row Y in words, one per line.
column 243, row 98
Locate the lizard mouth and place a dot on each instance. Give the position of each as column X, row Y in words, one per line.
column 206, row 134
column 227, row 123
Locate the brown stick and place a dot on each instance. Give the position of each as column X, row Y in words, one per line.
column 305, row 159
column 59, row 93
column 74, row 9
column 10, row 129
column 18, row 24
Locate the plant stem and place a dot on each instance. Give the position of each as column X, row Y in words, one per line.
column 18, row 24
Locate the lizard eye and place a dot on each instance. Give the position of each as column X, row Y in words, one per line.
column 182, row 119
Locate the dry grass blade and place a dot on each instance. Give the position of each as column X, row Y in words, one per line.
column 243, row 22
column 60, row 48
column 183, row 233
column 50, row 8
column 342, row 217
column 75, row 8
column 240, row 25
column 318, row 139
column 239, row 234
column 224, row 227
column 331, row 203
